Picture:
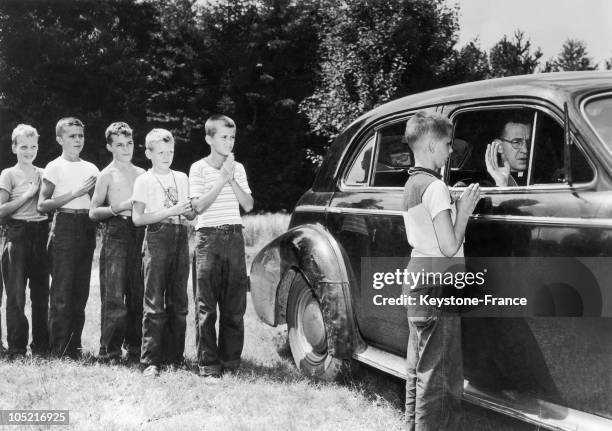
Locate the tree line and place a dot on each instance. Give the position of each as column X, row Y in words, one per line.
column 291, row 73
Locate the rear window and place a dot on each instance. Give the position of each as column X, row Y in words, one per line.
column 599, row 113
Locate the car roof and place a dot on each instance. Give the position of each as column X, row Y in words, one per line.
column 555, row 87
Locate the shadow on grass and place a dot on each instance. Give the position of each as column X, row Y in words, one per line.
column 282, row 372
column 375, row 385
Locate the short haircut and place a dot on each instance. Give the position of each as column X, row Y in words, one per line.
column 423, row 123
column 216, row 121
column 157, row 135
column 515, row 117
column 24, row 130
column 67, row 122
column 117, row 129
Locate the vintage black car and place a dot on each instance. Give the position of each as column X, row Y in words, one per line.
column 553, row 370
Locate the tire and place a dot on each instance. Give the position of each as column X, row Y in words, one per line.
column 307, row 333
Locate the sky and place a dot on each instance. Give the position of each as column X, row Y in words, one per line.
column 547, row 23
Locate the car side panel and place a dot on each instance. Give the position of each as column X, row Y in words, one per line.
column 370, row 224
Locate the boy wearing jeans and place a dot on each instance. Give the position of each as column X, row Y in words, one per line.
column 218, row 185
column 121, row 286
column 161, row 203
column 435, row 228
column 24, row 255
column 67, row 184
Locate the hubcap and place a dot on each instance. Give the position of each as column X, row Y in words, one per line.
column 314, row 328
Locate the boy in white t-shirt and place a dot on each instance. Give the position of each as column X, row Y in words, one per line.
column 24, row 255
column 161, row 203
column 218, row 186
column 435, row 230
column 68, row 183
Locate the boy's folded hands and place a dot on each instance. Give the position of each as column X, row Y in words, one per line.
column 227, row 169
column 181, row 208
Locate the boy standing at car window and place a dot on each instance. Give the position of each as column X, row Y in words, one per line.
column 218, row 186
column 435, row 229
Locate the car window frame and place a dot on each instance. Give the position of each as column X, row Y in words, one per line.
column 493, row 105
column 342, row 185
column 585, row 117
column 353, row 159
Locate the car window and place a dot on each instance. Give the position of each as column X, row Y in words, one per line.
column 393, row 158
column 360, row 169
column 599, row 113
column 532, row 147
column 548, row 157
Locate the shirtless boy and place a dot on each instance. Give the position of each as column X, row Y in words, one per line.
column 121, row 285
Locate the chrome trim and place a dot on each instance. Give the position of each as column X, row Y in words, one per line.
column 310, row 208
column 548, row 221
column 572, row 420
column 477, row 218
column 383, row 361
column 534, row 127
column 586, row 118
column 368, row 211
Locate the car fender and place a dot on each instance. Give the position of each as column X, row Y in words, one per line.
column 312, row 251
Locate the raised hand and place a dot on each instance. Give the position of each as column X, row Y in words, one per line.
column 227, row 169
column 500, row 174
column 468, row 200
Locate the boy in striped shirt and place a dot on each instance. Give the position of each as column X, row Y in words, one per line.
column 218, row 186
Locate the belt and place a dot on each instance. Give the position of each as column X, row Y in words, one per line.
column 124, row 217
column 173, row 220
column 17, row 221
column 233, row 228
column 72, row 211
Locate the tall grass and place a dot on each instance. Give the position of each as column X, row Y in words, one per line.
column 263, row 228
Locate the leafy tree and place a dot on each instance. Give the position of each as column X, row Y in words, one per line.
column 181, row 80
column 373, row 51
column 573, row 56
column 85, row 59
column 514, row 56
column 609, row 64
column 470, row 63
column 263, row 68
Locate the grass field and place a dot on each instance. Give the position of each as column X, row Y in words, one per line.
column 267, row 393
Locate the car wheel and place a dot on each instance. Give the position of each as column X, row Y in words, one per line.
column 307, row 333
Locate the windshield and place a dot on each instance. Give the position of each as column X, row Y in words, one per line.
column 599, row 113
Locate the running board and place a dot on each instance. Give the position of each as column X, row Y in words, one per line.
column 383, row 361
column 531, row 410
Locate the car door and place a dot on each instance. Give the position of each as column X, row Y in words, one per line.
column 365, row 216
column 527, row 360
